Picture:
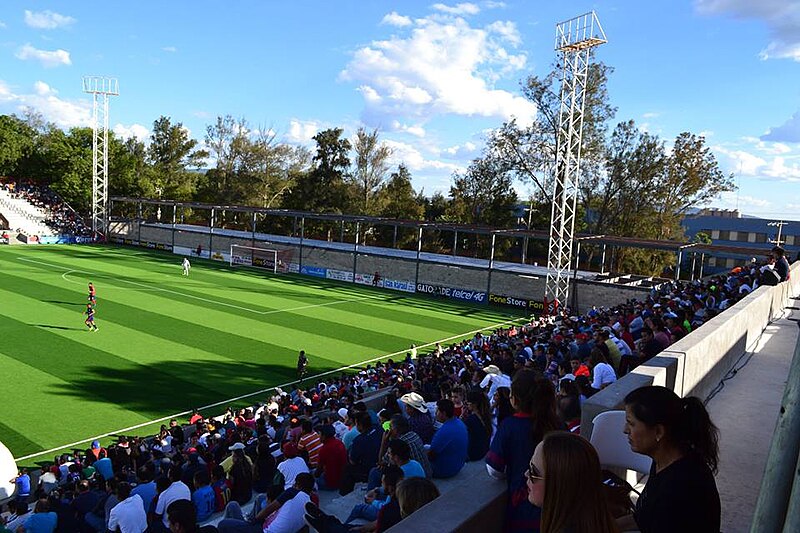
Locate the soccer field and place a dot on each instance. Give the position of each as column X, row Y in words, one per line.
column 167, row 343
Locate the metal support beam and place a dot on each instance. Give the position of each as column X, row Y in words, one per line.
column 211, row 232
column 101, row 88
column 302, row 236
column 455, row 242
column 678, row 265
column 491, row 266
column 394, row 238
column 694, row 260
column 419, row 251
column 140, row 218
column 355, row 251
column 702, row 264
column 174, row 221
column 603, row 259
column 575, row 39
column 524, row 249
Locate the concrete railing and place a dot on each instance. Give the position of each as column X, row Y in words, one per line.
column 695, row 365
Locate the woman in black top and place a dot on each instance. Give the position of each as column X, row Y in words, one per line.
column 681, row 494
column 478, row 419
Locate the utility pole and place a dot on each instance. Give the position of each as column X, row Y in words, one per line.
column 780, row 224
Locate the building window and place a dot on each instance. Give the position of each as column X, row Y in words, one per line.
column 724, row 235
column 791, row 240
column 761, row 237
column 751, row 237
column 714, row 234
column 745, row 237
column 733, row 236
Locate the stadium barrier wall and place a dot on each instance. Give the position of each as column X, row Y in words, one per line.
column 442, row 278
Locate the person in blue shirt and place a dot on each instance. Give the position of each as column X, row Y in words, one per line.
column 145, row 488
column 23, row 485
column 448, row 451
column 399, row 453
column 104, row 466
column 42, row 520
column 363, row 454
column 203, row 497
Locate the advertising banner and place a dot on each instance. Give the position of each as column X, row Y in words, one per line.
column 465, row 295
column 317, row 272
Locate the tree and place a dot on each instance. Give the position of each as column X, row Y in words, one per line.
column 399, row 200
column 371, row 166
column 17, row 142
column 171, row 153
column 483, row 195
column 530, row 150
column 323, row 188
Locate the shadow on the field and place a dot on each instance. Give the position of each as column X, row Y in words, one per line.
column 50, row 326
column 167, row 387
column 64, row 303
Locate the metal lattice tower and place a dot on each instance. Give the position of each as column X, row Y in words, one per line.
column 101, row 88
column 575, row 39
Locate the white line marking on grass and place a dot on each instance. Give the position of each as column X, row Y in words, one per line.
column 143, row 287
column 262, row 391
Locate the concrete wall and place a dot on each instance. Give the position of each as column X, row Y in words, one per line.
column 591, row 293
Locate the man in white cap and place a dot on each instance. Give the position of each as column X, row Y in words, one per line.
column 419, row 418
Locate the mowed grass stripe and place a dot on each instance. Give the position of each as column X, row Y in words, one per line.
column 141, row 347
column 14, row 440
column 194, row 332
column 316, row 328
column 423, row 306
column 46, row 412
column 390, row 313
column 73, row 362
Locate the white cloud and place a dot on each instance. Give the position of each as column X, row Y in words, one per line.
column 465, row 8
column 507, row 30
column 789, row 131
column 651, row 114
column 48, row 58
column 443, row 66
column 302, row 131
column 170, row 49
column 466, row 151
column 47, row 20
column 781, row 17
column 416, row 161
column 490, row 4
column 134, row 130
column 395, row 19
column 414, row 129
column 2, row 25
column 776, row 163
column 732, row 200
column 44, row 99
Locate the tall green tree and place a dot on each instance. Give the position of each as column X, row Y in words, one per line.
column 171, row 154
column 17, row 141
column 483, row 195
column 323, row 188
column 371, row 166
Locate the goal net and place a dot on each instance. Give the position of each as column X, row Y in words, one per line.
column 266, row 258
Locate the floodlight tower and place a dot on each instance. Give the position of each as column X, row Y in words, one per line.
column 575, row 39
column 101, row 88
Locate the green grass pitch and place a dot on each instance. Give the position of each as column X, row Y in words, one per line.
column 168, row 343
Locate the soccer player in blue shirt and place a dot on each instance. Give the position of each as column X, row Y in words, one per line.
column 90, row 318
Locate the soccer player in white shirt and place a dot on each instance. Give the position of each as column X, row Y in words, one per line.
column 186, row 266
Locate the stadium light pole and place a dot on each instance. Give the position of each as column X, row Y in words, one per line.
column 575, row 39
column 101, row 88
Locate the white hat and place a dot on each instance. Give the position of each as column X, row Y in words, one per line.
column 414, row 400
column 237, row 446
column 342, row 413
column 492, row 369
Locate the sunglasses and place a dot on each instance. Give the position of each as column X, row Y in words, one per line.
column 533, row 474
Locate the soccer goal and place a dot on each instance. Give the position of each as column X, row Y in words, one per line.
column 258, row 257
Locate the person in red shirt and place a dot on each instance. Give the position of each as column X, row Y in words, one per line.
column 196, row 417
column 332, row 459
column 578, row 368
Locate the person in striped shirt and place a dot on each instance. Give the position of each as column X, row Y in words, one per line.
column 309, row 442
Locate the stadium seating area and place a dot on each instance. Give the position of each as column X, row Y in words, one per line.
column 245, row 453
column 35, row 210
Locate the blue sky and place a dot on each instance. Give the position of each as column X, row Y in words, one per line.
column 434, row 77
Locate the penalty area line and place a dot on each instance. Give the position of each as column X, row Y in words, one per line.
column 262, row 391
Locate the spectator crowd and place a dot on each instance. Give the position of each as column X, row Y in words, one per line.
column 60, row 217
column 511, row 398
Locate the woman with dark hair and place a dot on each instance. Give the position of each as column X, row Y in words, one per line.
column 502, row 405
column 569, row 404
column 534, row 400
column 264, row 466
column 681, row 494
column 565, row 480
column 478, row 419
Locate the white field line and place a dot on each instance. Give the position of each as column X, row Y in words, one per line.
column 262, row 391
column 207, row 300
